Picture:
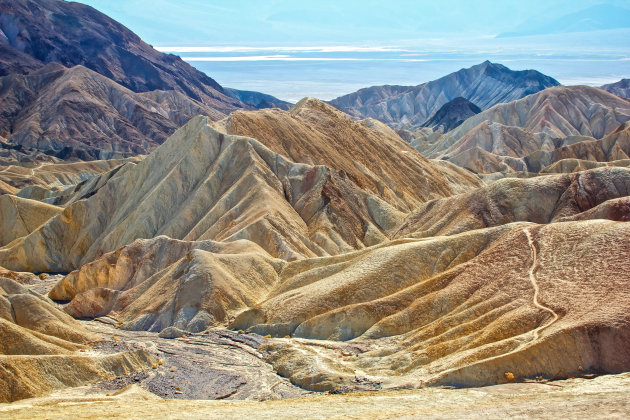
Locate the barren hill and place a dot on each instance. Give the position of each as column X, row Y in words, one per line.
column 118, row 96
column 55, row 109
column 457, row 310
column 39, row 350
column 204, row 184
column 534, row 132
column 544, row 199
column 553, row 113
column 369, row 152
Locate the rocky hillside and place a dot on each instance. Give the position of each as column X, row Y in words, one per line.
column 79, row 111
column 205, row 184
column 256, row 100
column 75, row 34
column 408, row 310
column 368, row 152
column 273, row 253
column 532, row 128
column 324, row 228
column 485, row 85
column 43, row 348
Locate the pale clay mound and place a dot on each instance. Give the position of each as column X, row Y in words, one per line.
column 21, row 216
column 531, row 134
column 542, row 199
column 226, row 187
column 369, row 152
column 35, row 179
column 39, row 350
column 543, row 154
column 430, row 311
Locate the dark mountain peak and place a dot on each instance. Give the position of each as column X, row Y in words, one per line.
column 452, row 114
column 75, row 34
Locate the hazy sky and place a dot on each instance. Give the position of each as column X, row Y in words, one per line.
column 270, row 45
column 291, row 22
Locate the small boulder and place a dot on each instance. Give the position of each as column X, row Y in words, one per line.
column 171, row 332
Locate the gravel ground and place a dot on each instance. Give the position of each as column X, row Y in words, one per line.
column 219, row 364
column 605, row 397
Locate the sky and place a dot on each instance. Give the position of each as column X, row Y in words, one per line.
column 327, row 48
column 281, row 22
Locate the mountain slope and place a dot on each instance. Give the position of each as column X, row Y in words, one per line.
column 21, row 216
column 257, row 100
column 620, row 88
column 202, row 184
column 457, row 310
column 460, row 310
column 485, row 85
column 369, row 152
column 540, row 200
column 40, row 344
column 56, row 108
column 613, row 147
column 75, row 34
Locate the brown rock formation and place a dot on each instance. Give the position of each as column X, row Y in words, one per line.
column 458, row 310
column 77, row 110
column 531, row 134
column 369, row 152
column 153, row 284
column 225, row 187
column 37, row 180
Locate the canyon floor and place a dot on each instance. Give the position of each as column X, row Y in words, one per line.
column 604, row 397
column 220, row 374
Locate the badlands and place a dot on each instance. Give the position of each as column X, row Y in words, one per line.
column 336, row 274
column 453, row 249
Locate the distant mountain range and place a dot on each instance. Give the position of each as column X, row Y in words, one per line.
column 485, row 85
